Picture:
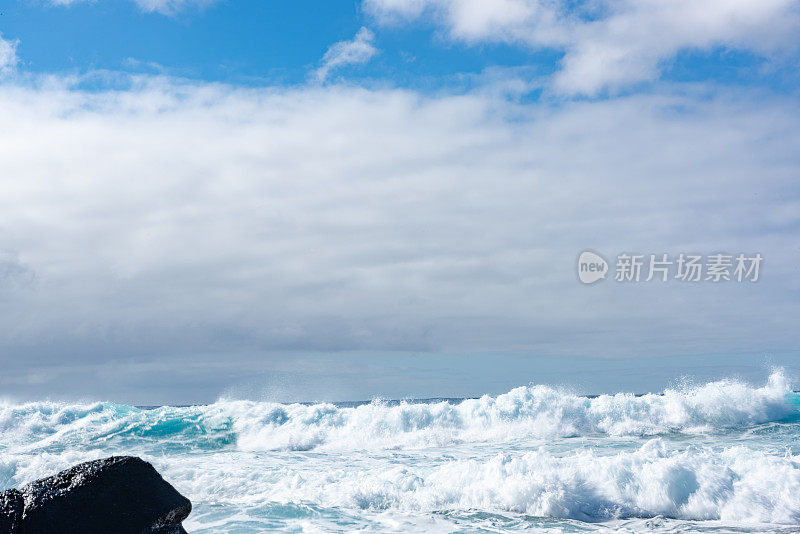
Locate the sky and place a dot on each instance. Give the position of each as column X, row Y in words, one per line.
column 341, row 200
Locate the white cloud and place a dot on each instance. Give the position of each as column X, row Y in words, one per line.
column 357, row 51
column 608, row 45
column 164, row 7
column 177, row 219
column 8, row 55
column 170, row 7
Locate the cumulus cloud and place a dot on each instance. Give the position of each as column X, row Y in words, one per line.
column 174, row 220
column 608, row 45
column 8, row 55
column 356, row 51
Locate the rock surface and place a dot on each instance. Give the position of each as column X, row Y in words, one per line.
column 119, row 495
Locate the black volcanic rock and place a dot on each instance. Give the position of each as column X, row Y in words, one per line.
column 11, row 505
column 117, row 495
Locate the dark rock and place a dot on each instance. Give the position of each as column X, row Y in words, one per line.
column 168, row 529
column 119, row 495
column 11, row 505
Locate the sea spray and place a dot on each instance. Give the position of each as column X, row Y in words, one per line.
column 525, row 412
column 725, row 453
column 534, row 411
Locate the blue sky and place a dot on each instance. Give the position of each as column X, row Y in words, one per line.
column 248, row 42
column 237, row 42
column 265, row 43
column 345, row 199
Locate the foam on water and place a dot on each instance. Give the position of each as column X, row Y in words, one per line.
column 724, row 451
column 733, row 484
column 526, row 412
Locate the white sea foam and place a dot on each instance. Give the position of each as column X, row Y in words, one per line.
column 735, row 484
column 695, row 453
column 529, row 412
column 525, row 412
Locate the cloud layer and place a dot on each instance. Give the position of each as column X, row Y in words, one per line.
column 173, row 220
column 609, row 45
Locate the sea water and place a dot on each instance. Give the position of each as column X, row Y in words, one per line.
column 720, row 457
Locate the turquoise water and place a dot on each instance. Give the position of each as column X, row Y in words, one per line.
column 722, row 457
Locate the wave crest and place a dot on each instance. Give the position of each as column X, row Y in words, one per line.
column 528, row 412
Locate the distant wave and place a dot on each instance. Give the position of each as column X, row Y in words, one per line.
column 534, row 411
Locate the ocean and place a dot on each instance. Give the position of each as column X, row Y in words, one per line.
column 718, row 457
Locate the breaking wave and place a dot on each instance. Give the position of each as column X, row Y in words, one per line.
column 534, row 411
column 724, row 451
column 736, row 484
